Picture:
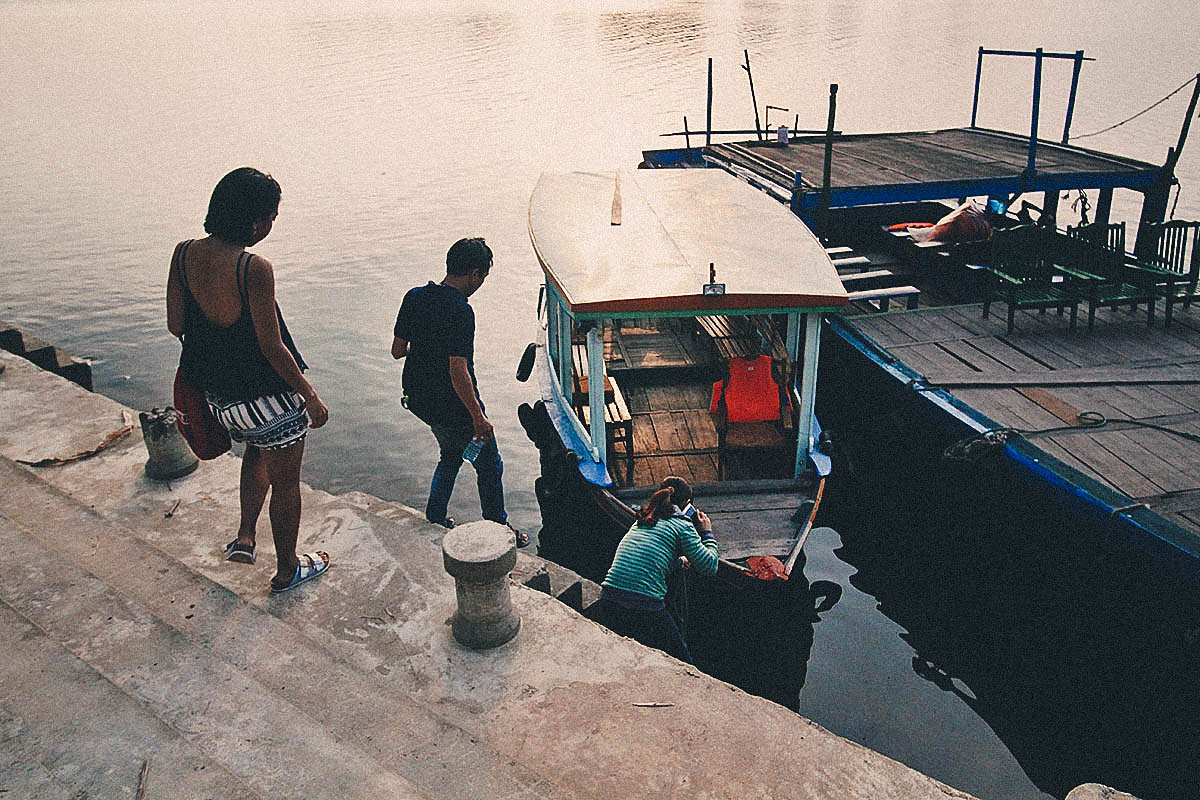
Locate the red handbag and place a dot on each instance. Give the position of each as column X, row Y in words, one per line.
column 203, row 431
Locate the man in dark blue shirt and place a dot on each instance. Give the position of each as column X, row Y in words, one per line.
column 435, row 330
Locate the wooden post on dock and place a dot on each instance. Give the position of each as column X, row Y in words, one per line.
column 1154, row 207
column 978, row 75
column 1071, row 98
column 826, row 186
column 1031, row 162
column 708, row 124
column 753, row 100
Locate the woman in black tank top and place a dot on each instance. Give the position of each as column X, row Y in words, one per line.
column 237, row 349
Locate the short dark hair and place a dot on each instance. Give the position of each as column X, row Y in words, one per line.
column 240, row 199
column 468, row 255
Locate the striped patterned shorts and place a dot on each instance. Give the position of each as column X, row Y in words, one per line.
column 270, row 423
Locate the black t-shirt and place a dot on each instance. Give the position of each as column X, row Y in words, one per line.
column 437, row 322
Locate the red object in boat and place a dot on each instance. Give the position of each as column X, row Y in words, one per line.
column 766, row 568
column 903, row 226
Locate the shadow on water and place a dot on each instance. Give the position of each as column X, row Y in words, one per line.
column 1079, row 655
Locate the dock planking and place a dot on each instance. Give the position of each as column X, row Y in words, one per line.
column 918, row 158
column 1130, row 373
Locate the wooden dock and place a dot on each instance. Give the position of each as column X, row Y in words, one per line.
column 924, row 165
column 1043, row 375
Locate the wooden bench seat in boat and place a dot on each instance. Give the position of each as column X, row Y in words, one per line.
column 731, row 337
column 873, row 279
column 850, row 261
column 618, row 422
column 881, row 298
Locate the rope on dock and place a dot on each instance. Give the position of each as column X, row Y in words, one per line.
column 1143, row 111
column 973, row 448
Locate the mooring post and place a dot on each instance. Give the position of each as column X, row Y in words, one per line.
column 479, row 556
column 1071, row 99
column 687, row 135
column 753, row 101
column 978, row 75
column 1154, row 206
column 826, row 187
column 1031, row 163
column 170, row 455
column 708, row 123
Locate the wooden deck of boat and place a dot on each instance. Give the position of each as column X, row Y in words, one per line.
column 673, row 433
column 924, row 158
column 1043, row 374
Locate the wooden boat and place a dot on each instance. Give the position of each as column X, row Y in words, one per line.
column 657, row 285
column 870, row 181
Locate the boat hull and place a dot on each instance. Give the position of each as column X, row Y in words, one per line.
column 881, row 409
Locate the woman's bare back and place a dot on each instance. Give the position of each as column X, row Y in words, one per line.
column 211, row 273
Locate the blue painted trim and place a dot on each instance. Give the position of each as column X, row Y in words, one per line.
column 1141, row 528
column 941, row 190
column 557, row 408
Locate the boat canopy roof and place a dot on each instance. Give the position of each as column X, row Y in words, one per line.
column 641, row 242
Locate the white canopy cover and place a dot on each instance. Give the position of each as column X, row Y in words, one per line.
column 642, row 241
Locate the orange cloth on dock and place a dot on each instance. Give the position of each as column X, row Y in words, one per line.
column 751, row 394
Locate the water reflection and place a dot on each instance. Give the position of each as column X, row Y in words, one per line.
column 1077, row 654
column 653, row 35
column 758, row 640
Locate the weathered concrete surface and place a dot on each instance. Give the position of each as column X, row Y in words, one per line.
column 362, row 657
column 1094, row 791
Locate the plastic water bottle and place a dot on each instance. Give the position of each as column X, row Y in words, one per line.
column 473, row 449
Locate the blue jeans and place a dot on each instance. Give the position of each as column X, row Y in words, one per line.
column 452, row 440
column 653, row 627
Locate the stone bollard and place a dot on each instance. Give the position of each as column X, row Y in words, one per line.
column 170, row 456
column 480, row 556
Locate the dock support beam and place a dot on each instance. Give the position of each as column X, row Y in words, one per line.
column 826, row 187
column 753, row 100
column 978, row 75
column 1031, row 162
column 797, row 193
column 708, row 123
column 1104, row 206
column 1071, row 99
column 1154, row 207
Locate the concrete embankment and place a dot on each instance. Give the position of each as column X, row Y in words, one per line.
column 135, row 658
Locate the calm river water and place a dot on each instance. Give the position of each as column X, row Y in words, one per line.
column 396, row 128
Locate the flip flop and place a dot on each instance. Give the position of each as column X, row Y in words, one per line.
column 316, row 566
column 240, row 553
column 522, row 538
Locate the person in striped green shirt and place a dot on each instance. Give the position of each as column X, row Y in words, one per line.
column 633, row 596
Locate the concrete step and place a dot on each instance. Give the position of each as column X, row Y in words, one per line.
column 45, row 355
column 599, row 716
column 355, row 706
column 537, row 573
column 220, row 708
column 95, row 744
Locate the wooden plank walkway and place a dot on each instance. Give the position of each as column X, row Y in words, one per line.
column 1042, row 375
column 920, row 158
